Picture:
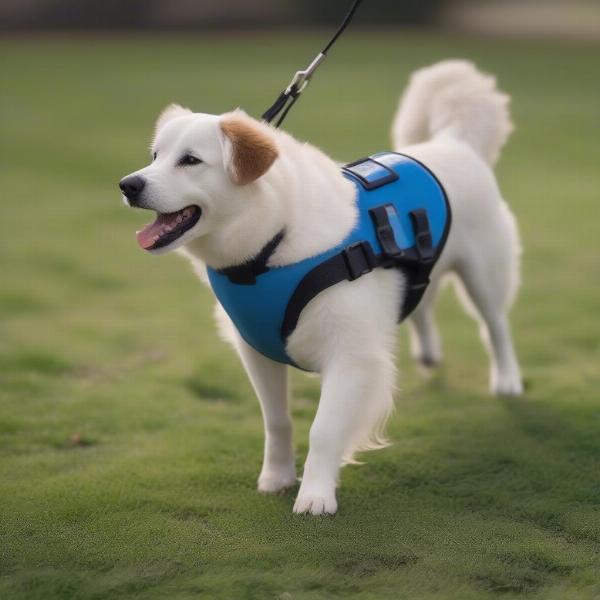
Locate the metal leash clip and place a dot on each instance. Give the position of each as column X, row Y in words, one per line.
column 288, row 97
column 301, row 78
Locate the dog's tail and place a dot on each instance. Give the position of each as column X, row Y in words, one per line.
column 453, row 98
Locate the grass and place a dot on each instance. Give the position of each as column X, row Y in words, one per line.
column 129, row 438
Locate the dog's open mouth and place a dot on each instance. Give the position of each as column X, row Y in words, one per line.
column 168, row 227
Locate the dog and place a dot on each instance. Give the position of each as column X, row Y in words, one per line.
column 224, row 185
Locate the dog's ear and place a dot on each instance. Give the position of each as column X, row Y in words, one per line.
column 170, row 112
column 249, row 147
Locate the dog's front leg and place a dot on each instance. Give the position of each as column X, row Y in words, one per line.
column 269, row 380
column 355, row 396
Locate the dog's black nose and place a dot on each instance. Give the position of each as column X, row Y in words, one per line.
column 132, row 187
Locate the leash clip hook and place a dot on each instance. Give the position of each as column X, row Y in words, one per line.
column 301, row 78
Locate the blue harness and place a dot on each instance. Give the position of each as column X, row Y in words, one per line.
column 404, row 220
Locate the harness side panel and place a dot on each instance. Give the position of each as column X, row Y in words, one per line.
column 416, row 188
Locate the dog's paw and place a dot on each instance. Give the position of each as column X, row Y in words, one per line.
column 429, row 362
column 315, row 504
column 273, row 481
column 508, row 387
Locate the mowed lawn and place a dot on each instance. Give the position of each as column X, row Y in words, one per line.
column 130, row 440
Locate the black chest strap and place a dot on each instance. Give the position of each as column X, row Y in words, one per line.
column 246, row 273
column 359, row 259
column 350, row 264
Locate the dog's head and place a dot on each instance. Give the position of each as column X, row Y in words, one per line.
column 201, row 167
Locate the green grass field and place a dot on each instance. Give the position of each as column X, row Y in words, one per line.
column 130, row 440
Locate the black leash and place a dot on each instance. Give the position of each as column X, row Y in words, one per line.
column 288, row 97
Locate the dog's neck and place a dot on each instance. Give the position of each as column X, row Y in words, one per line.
column 303, row 194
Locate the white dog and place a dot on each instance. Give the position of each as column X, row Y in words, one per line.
column 223, row 186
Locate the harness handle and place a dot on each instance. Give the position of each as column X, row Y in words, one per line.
column 288, row 97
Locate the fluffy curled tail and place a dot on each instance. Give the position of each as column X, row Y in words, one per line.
column 453, row 98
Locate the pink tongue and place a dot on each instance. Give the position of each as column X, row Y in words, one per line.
column 148, row 236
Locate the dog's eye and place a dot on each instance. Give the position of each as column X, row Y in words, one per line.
column 187, row 160
column 154, row 155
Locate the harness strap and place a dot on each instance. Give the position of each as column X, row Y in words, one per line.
column 246, row 273
column 359, row 259
column 419, row 269
column 350, row 264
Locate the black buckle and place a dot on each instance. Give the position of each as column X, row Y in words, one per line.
column 423, row 239
column 359, row 259
column 385, row 234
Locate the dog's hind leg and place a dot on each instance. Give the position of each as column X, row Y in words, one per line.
column 425, row 341
column 486, row 296
column 270, row 382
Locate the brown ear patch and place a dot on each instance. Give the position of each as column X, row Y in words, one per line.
column 253, row 151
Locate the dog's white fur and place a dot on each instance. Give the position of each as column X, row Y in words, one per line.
column 451, row 118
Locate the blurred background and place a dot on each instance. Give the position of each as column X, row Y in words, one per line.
column 572, row 18
column 130, row 440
